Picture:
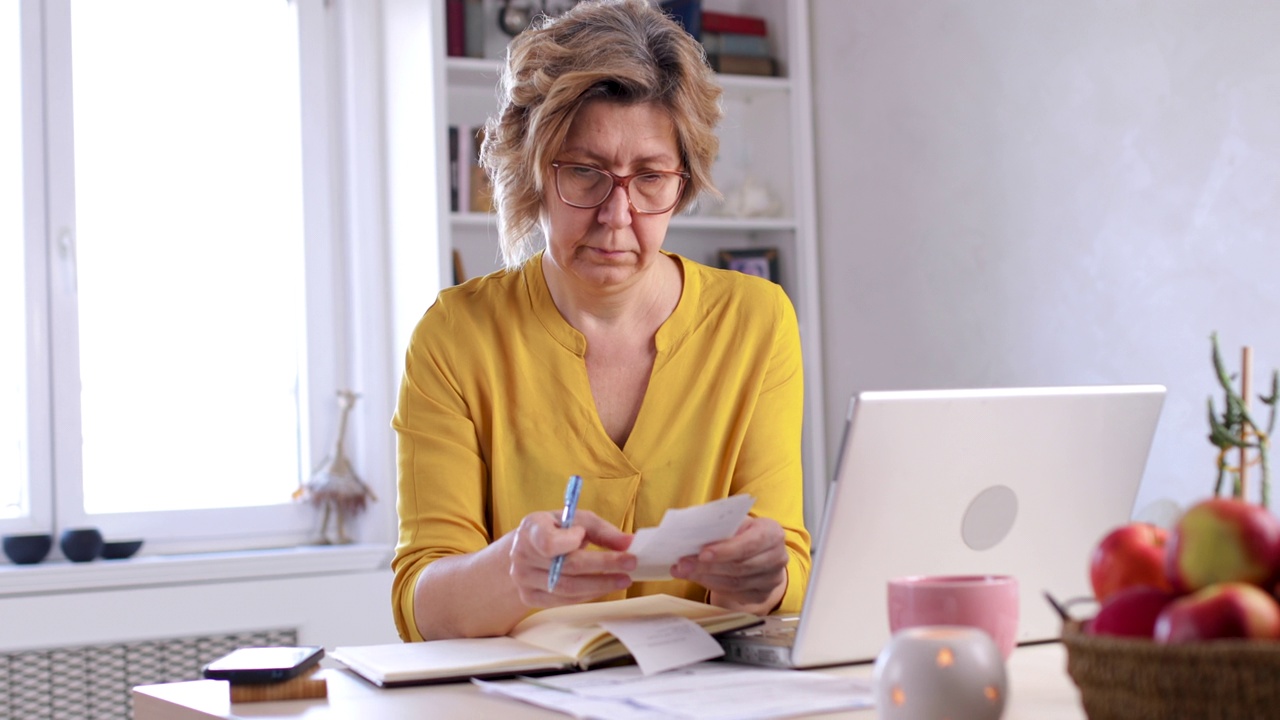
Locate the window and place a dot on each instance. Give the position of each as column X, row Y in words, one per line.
column 14, row 502
column 177, row 280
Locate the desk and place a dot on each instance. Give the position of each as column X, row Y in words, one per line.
column 1039, row 689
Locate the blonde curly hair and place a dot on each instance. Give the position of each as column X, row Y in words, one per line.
column 625, row 51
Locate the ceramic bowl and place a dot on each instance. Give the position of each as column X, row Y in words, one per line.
column 27, row 549
column 120, row 549
column 81, row 544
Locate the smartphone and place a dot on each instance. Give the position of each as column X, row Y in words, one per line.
column 263, row 664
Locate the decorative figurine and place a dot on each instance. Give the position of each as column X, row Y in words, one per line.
column 751, row 199
column 513, row 18
column 335, row 486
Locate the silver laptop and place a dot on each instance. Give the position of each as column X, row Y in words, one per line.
column 1019, row 481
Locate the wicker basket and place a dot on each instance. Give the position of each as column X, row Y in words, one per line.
column 1136, row 679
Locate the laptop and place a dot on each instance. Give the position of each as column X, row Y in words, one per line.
column 1015, row 481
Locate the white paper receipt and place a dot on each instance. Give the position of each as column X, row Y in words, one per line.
column 663, row 642
column 683, row 532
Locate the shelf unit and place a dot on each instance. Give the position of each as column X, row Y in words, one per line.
column 766, row 146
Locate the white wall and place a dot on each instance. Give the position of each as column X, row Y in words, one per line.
column 1024, row 193
column 340, row 609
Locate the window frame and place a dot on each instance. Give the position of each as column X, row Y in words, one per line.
column 54, row 449
column 35, row 261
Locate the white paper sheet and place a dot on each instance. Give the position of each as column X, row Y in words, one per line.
column 664, row 642
column 704, row 691
column 683, row 532
column 568, row 703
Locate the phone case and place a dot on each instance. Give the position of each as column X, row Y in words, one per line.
column 263, row 664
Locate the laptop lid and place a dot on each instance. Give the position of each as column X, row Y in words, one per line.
column 1017, row 481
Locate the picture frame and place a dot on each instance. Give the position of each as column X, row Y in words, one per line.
column 761, row 262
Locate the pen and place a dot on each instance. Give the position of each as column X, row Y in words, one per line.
column 571, row 493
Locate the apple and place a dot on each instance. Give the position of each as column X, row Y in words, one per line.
column 1130, row 555
column 1223, row 610
column 1131, row 612
column 1223, row 540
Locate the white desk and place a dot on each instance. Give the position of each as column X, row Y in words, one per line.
column 1039, row 689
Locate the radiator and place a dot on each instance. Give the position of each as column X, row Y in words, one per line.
column 94, row 682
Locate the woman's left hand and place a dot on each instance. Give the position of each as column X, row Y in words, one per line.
column 747, row 572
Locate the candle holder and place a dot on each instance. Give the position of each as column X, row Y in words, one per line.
column 940, row 671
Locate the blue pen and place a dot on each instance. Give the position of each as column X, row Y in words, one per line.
column 571, row 493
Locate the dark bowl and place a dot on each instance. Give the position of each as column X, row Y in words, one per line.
column 81, row 544
column 120, row 549
column 27, row 549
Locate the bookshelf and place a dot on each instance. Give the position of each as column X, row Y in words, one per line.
column 766, row 160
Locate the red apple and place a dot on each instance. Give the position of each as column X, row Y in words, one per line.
column 1223, row 540
column 1131, row 612
column 1224, row 610
column 1129, row 556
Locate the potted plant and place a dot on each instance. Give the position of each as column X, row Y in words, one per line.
column 1234, row 431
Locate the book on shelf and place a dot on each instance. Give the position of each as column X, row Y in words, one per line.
column 459, row 272
column 473, row 29
column 560, row 639
column 470, row 189
column 736, row 44
column 479, row 187
column 721, row 22
column 454, row 173
column 743, row 64
column 455, row 25
column 462, row 183
column 686, row 12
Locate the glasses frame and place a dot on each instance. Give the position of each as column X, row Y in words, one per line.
column 621, row 181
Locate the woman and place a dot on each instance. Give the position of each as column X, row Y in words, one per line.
column 663, row 382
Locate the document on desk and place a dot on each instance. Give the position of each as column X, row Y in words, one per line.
column 683, row 532
column 705, row 691
column 663, row 642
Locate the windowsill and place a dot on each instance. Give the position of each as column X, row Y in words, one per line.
column 160, row 570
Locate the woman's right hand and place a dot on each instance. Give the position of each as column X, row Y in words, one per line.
column 585, row 574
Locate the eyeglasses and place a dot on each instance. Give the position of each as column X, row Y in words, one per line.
column 651, row 192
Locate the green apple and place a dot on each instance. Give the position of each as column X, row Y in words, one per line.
column 1223, row 540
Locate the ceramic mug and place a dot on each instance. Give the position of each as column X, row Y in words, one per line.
column 986, row 602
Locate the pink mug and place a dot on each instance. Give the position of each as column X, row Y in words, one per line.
column 987, row 602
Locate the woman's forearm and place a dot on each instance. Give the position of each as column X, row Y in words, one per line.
column 468, row 595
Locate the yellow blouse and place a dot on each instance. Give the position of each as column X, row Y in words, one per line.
column 496, row 412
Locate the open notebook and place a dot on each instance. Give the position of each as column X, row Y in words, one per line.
column 1017, row 481
column 553, row 640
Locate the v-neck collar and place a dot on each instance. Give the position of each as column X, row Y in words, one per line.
column 671, row 330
